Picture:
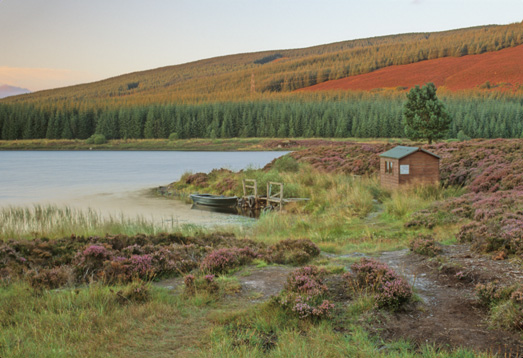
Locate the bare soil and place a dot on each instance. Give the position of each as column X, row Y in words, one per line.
column 257, row 283
column 449, row 315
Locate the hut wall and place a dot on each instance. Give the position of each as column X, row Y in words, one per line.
column 423, row 168
column 389, row 180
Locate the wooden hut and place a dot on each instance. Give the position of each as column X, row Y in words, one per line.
column 407, row 165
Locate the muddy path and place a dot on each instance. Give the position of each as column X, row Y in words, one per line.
column 449, row 315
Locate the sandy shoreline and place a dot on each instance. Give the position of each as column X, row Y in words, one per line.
column 141, row 203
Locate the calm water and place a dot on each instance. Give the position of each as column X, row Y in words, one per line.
column 31, row 177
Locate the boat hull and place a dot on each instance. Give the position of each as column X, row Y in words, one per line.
column 214, row 200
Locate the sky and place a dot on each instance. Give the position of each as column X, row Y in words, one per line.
column 54, row 43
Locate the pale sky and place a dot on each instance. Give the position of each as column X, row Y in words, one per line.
column 54, row 43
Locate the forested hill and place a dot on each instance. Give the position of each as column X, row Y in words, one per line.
column 257, row 75
column 254, row 95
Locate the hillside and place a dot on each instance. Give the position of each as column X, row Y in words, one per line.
column 6, row 91
column 501, row 69
column 254, row 94
column 231, row 77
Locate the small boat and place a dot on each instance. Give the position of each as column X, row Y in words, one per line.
column 214, row 200
column 216, row 209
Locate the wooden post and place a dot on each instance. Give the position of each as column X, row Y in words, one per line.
column 250, row 184
column 275, row 198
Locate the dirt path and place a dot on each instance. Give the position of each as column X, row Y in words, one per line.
column 261, row 283
column 257, row 283
column 449, row 315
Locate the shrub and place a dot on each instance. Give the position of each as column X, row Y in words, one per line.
column 492, row 293
column 508, row 314
column 390, row 290
column 92, row 259
column 462, row 136
column 286, row 164
column 198, row 179
column 393, row 294
column 137, row 292
column 141, row 265
column 206, row 283
column 190, row 287
column 50, row 278
column 96, row 139
column 306, row 280
column 173, row 136
column 422, row 218
column 223, row 260
column 304, row 294
column 505, row 303
column 292, row 251
column 8, row 255
column 209, row 284
column 425, row 245
column 177, row 259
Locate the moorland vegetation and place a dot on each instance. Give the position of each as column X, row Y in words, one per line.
column 92, row 294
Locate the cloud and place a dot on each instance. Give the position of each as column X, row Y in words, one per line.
column 417, row 2
column 37, row 79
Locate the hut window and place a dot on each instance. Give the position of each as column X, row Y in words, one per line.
column 388, row 167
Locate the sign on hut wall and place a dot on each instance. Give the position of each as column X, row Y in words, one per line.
column 404, row 169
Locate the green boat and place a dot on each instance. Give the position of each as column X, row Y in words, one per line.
column 214, row 200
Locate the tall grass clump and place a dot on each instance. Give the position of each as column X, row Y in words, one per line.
column 407, row 200
column 53, row 221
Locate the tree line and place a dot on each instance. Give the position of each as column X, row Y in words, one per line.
column 364, row 117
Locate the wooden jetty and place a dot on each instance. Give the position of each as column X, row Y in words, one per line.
column 273, row 201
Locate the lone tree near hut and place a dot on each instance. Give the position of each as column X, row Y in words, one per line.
column 424, row 116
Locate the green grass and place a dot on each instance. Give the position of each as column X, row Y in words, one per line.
column 89, row 322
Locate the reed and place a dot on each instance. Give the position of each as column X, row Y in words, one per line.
column 405, row 201
column 54, row 221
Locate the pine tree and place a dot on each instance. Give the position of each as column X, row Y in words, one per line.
column 424, row 115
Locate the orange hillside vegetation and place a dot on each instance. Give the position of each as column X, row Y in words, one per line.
column 502, row 68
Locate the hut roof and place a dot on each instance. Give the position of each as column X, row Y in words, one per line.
column 401, row 152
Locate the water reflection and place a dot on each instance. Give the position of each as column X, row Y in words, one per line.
column 251, row 213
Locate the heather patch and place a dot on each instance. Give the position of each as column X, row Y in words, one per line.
column 304, row 294
column 118, row 259
column 50, row 278
column 425, row 245
column 369, row 276
column 492, row 293
column 223, row 260
column 350, row 158
column 501, row 233
column 505, row 303
column 292, row 252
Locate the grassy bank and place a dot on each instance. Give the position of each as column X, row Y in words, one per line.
column 232, row 144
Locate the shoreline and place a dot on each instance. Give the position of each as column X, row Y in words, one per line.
column 139, row 204
column 188, row 145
